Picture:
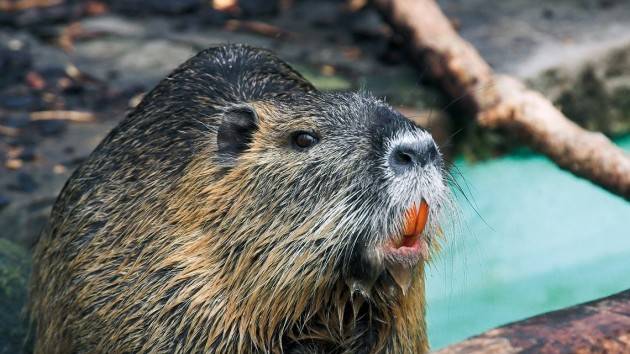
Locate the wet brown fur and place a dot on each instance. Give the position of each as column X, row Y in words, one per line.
column 164, row 260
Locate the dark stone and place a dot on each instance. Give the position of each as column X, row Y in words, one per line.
column 28, row 153
column 18, row 121
column 15, row 61
column 75, row 162
column 74, row 88
column 606, row 4
column 367, row 24
column 37, row 16
column 213, row 17
column 393, row 51
column 52, row 73
column 40, row 204
column 14, row 270
column 174, row 7
column 4, row 201
column 165, row 7
column 320, row 14
column 50, row 127
column 24, row 182
column 11, row 101
column 255, row 8
column 548, row 14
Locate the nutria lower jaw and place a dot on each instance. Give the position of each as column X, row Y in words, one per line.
column 403, row 253
column 411, row 251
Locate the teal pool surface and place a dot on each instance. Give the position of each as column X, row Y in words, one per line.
column 542, row 240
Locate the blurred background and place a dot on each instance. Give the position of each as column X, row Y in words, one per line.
column 531, row 238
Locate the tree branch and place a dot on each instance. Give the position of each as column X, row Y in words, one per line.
column 501, row 101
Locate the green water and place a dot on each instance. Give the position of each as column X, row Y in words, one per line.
column 543, row 240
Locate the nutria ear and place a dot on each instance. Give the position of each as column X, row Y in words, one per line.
column 235, row 132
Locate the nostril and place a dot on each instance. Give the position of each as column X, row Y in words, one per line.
column 403, row 158
column 409, row 156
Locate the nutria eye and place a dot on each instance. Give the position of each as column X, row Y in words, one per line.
column 304, row 140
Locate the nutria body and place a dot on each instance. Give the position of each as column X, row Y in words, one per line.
column 238, row 209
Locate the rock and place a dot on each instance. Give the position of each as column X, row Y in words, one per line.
column 140, row 61
column 15, row 59
column 17, row 121
column 256, row 8
column 170, row 7
column 113, row 26
column 22, row 220
column 596, row 94
column 49, row 127
column 213, row 17
column 17, row 101
column 4, row 201
column 24, row 182
column 158, row 55
column 321, row 14
column 28, row 153
column 165, row 7
column 14, row 271
column 63, row 11
column 367, row 24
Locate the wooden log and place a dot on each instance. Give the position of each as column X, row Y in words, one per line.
column 600, row 326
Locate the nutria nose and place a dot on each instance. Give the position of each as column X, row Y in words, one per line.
column 406, row 156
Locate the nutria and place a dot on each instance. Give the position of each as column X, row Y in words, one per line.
column 238, row 209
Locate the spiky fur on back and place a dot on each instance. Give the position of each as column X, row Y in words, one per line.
column 158, row 245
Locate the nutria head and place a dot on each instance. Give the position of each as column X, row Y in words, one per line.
column 239, row 209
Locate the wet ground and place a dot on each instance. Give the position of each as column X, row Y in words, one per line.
column 69, row 83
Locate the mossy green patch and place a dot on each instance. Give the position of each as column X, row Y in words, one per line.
column 332, row 82
column 14, row 272
column 596, row 95
column 403, row 87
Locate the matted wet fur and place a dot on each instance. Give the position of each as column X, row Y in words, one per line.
column 198, row 225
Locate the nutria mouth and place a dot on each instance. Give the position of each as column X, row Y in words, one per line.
column 412, row 245
column 402, row 253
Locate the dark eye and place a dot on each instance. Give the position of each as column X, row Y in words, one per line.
column 304, row 140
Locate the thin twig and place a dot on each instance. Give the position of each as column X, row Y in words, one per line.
column 72, row 116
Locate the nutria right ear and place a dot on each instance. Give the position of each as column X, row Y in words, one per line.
column 235, row 133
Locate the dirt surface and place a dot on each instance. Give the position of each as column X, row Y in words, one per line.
column 70, row 79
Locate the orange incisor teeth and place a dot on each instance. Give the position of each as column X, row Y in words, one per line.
column 416, row 219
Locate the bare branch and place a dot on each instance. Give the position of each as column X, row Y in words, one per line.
column 501, row 101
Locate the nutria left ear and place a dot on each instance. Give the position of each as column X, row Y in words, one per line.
column 235, row 132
